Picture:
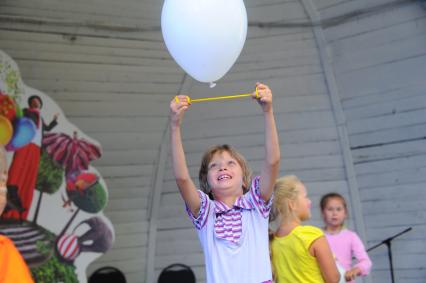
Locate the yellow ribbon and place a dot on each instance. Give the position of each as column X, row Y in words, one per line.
column 218, row 97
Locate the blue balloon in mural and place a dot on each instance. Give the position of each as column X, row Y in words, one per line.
column 24, row 131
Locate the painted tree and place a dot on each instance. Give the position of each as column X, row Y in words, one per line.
column 49, row 179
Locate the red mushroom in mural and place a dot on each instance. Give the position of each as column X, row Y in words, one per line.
column 74, row 153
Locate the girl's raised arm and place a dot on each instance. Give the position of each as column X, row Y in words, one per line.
column 186, row 186
column 271, row 165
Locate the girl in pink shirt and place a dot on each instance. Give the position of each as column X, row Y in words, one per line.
column 344, row 243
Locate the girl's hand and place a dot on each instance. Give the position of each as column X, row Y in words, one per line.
column 178, row 106
column 264, row 97
column 352, row 274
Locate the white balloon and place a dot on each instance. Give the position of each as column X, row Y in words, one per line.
column 205, row 37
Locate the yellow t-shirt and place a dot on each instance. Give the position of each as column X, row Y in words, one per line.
column 291, row 259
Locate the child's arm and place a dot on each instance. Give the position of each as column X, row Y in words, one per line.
column 352, row 274
column 270, row 168
column 363, row 265
column 184, row 182
column 321, row 250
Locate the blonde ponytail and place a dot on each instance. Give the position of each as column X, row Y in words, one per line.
column 285, row 192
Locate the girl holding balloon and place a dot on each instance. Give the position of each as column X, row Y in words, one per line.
column 231, row 211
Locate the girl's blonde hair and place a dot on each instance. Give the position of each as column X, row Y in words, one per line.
column 208, row 156
column 285, row 191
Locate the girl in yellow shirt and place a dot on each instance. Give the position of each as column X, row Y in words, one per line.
column 299, row 253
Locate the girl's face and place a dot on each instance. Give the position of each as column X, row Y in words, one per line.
column 224, row 174
column 334, row 213
column 303, row 203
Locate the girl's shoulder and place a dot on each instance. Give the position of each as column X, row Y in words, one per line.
column 348, row 232
column 309, row 229
column 352, row 235
column 344, row 235
column 308, row 233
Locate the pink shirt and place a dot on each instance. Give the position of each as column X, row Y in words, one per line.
column 347, row 245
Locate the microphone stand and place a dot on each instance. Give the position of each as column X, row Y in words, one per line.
column 387, row 242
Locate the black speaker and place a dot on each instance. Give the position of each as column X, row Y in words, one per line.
column 177, row 273
column 107, row 274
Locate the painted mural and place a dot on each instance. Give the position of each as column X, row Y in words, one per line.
column 55, row 196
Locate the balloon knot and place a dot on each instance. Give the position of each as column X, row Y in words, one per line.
column 212, row 84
